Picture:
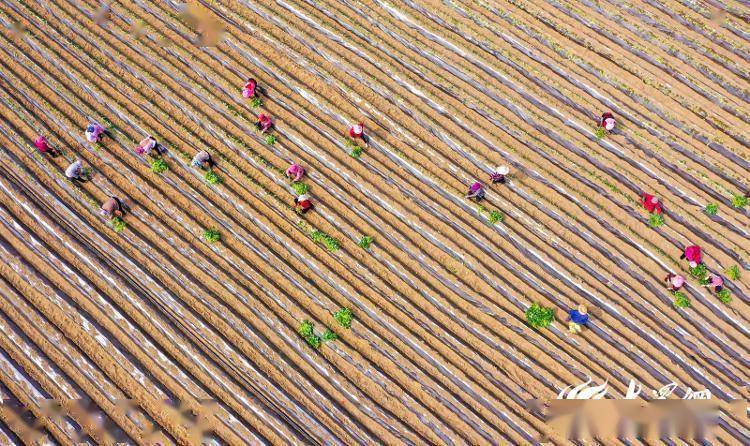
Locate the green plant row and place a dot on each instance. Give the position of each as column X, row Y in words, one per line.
column 494, row 216
column 656, row 220
column 538, row 316
column 300, row 188
column 711, row 209
column 681, row 300
column 344, row 317
column 118, row 224
column 212, row 178
column 330, row 243
column 307, row 331
column 158, row 165
column 211, row 235
column 365, row 242
column 739, row 201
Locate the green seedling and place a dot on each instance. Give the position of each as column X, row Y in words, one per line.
column 655, row 220
column 704, row 281
column 118, row 224
column 212, row 178
column 538, row 316
column 356, row 152
column 733, row 272
column 365, row 242
column 739, row 201
column 159, row 165
column 211, row 235
column 681, row 300
column 270, row 139
column 724, row 295
column 305, row 329
column 350, row 143
column 321, row 237
column 256, row 102
column 496, row 217
column 600, row 132
column 86, row 173
column 344, row 317
column 329, row 335
column 300, row 188
column 711, row 209
column 481, row 209
column 699, row 272
column 314, row 341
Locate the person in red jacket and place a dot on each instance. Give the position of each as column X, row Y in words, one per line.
column 302, row 203
column 651, row 203
column 358, row 132
column 693, row 255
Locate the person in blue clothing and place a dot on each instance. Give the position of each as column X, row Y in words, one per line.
column 576, row 318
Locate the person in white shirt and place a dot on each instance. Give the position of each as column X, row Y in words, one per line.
column 75, row 171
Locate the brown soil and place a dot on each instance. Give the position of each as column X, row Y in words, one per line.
column 440, row 352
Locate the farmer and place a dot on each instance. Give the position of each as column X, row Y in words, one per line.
column 674, row 281
column 693, row 255
column 75, row 171
column 576, row 318
column 94, row 132
column 476, row 191
column 147, row 145
column 607, row 121
column 112, row 207
column 302, row 203
column 264, row 123
column 716, row 281
column 203, row 160
column 358, row 132
column 43, row 146
column 651, row 203
column 248, row 91
column 498, row 176
column 295, row 172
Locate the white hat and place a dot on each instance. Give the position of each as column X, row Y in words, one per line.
column 693, row 264
column 654, row 200
column 609, row 123
column 502, row 170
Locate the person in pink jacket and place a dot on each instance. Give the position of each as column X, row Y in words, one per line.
column 94, row 132
column 264, row 123
column 249, row 90
column 295, row 172
column 148, row 146
column 43, row 146
column 716, row 281
column 607, row 121
column 693, row 255
column 674, row 282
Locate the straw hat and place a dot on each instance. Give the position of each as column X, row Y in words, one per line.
column 582, row 309
column 502, row 170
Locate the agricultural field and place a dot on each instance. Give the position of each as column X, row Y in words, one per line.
column 395, row 311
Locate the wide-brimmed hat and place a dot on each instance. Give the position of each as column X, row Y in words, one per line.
column 582, row 309
column 654, row 200
column 502, row 170
column 609, row 123
column 693, row 264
